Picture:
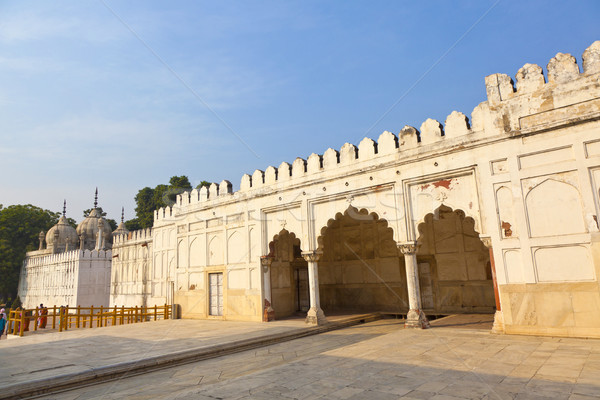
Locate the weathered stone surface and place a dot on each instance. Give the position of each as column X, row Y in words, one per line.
column 387, row 143
column 270, row 175
column 284, row 172
column 562, row 68
column 367, row 149
column 225, row 187
column 348, row 154
column 408, row 137
column 431, row 131
column 530, row 78
column 498, row 87
column 298, row 167
column 457, row 124
column 591, row 58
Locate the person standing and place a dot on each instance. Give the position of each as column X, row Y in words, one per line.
column 2, row 323
column 43, row 320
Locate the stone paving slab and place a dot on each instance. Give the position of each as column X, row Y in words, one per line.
column 380, row 360
column 37, row 361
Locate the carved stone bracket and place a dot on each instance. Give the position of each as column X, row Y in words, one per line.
column 487, row 240
column 266, row 262
column 408, row 247
column 312, row 256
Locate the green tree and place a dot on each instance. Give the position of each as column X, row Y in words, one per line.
column 133, row 224
column 145, row 207
column 149, row 200
column 201, row 184
column 180, row 182
column 20, row 226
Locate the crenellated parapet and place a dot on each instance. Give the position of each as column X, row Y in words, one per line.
column 509, row 110
column 141, row 235
column 431, row 131
column 69, row 256
column 535, row 103
column 409, row 139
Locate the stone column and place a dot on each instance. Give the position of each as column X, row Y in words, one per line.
column 416, row 317
column 268, row 312
column 498, row 326
column 315, row 315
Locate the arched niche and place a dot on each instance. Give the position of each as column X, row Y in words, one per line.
column 454, row 265
column 554, row 208
column 197, row 251
column 237, row 251
column 360, row 269
column 215, row 251
column 182, row 257
column 289, row 275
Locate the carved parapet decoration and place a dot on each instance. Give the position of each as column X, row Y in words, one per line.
column 266, row 262
column 486, row 240
column 407, row 248
column 312, row 256
column 41, row 238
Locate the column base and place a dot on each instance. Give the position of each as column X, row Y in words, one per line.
column 416, row 319
column 268, row 312
column 498, row 326
column 315, row 316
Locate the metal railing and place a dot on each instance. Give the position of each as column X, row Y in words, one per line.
column 65, row 318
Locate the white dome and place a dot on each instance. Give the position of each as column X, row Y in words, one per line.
column 66, row 235
column 90, row 227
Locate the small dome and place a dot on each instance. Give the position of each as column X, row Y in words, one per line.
column 66, row 235
column 121, row 229
column 90, row 226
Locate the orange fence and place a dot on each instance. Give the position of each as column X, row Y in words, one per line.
column 64, row 318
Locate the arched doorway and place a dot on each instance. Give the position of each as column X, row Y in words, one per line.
column 289, row 276
column 360, row 269
column 454, row 265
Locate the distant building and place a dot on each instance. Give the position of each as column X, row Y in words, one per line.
column 74, row 267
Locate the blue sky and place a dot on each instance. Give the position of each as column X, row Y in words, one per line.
column 123, row 95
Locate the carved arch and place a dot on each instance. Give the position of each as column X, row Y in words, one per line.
column 352, row 215
column 284, row 233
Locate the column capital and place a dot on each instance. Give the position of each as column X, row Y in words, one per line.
column 266, row 262
column 312, row 256
column 407, row 247
column 487, row 240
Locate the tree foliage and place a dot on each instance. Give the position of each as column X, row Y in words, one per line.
column 20, row 226
column 149, row 199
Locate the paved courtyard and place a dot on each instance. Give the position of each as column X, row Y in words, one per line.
column 457, row 359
